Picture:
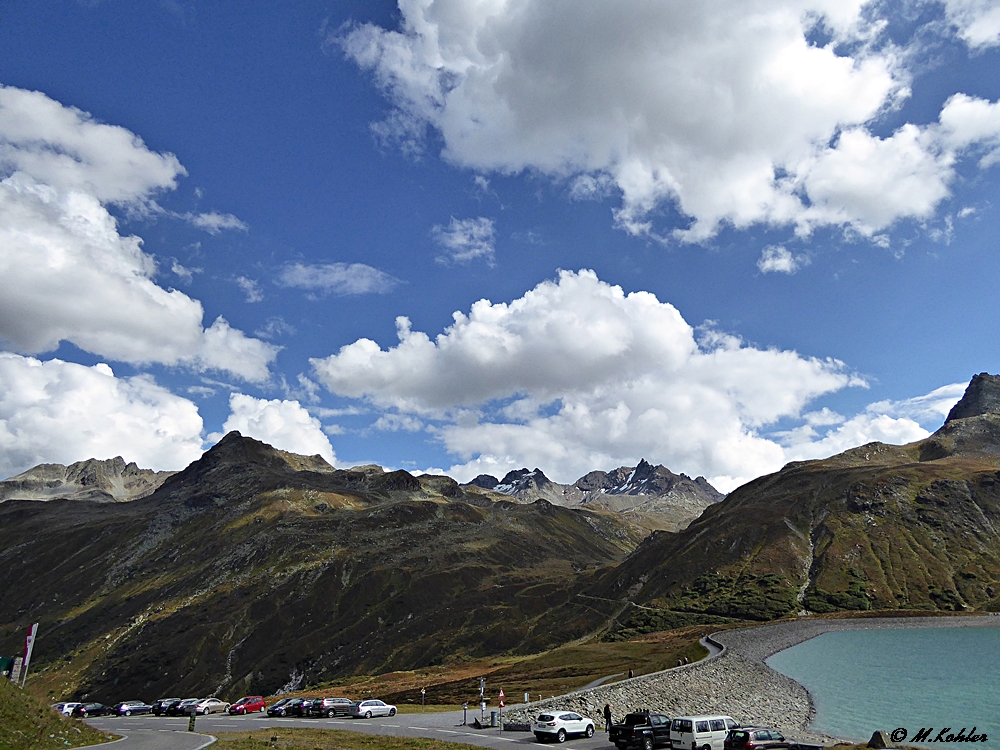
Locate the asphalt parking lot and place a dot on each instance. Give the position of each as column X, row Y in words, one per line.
column 443, row 726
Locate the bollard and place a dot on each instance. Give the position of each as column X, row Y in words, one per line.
column 191, row 723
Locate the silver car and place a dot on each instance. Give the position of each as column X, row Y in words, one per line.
column 369, row 708
column 209, row 706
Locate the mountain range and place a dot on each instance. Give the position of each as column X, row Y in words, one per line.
column 255, row 570
column 655, row 494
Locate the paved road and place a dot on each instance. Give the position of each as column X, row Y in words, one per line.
column 442, row 726
column 151, row 738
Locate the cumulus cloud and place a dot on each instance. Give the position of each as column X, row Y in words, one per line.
column 466, row 239
column 66, row 274
column 337, row 278
column 286, row 425
column 576, row 374
column 62, row 412
column 727, row 112
column 777, row 259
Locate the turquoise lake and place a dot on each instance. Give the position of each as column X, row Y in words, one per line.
column 863, row 680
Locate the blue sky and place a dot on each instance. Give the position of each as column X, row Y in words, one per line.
column 718, row 236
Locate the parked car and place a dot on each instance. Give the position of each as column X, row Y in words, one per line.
column 66, row 709
column 700, row 732
column 181, row 708
column 161, row 705
column 247, row 705
column 558, row 725
column 369, row 708
column 85, row 710
column 127, row 708
column 286, row 707
column 641, row 730
column 755, row 738
column 308, row 705
column 209, row 706
column 330, row 707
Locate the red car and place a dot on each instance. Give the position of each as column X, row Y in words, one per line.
column 248, row 705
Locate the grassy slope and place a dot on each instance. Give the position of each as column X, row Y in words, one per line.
column 554, row 672
column 325, row 739
column 28, row 724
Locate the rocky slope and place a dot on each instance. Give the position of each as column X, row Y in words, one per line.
column 665, row 500
column 876, row 527
column 254, row 569
column 107, row 481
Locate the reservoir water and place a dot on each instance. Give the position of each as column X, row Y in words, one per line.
column 863, row 680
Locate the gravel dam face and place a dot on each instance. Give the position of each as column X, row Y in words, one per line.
column 736, row 682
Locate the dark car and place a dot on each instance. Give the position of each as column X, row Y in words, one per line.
column 180, row 707
column 91, row 709
column 249, row 704
column 311, row 706
column 330, row 707
column 286, row 707
column 755, row 738
column 641, row 729
column 160, row 705
column 127, row 708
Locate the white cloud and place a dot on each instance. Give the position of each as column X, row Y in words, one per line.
column 726, row 111
column 185, row 273
column 214, row 222
column 66, row 274
column 67, row 149
column 466, row 239
column 225, row 348
column 60, row 412
column 251, row 289
column 397, row 422
column 977, row 21
column 286, row 425
column 337, row 278
column 777, row 259
column 598, row 378
column 930, row 409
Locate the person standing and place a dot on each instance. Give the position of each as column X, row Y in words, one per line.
column 607, row 717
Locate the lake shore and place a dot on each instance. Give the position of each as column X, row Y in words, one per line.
column 736, row 682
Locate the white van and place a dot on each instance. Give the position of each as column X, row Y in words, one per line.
column 700, row 732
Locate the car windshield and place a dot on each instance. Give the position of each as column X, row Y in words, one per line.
column 740, row 737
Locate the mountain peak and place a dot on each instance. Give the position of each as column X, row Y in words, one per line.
column 981, row 397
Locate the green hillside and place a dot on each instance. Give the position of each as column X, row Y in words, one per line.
column 28, row 724
column 884, row 527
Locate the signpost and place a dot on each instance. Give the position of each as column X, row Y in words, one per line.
column 423, row 692
column 501, row 704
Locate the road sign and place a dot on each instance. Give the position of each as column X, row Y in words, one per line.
column 501, row 698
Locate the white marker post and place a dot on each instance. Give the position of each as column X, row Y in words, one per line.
column 501, row 704
column 29, row 644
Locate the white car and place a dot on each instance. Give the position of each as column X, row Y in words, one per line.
column 370, row 708
column 209, row 706
column 66, row 709
column 558, row 725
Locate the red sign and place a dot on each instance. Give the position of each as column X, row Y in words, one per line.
column 501, row 698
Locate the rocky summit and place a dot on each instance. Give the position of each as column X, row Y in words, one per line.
column 111, row 480
column 876, row 527
column 652, row 494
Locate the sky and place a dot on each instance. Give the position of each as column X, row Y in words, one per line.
column 468, row 237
